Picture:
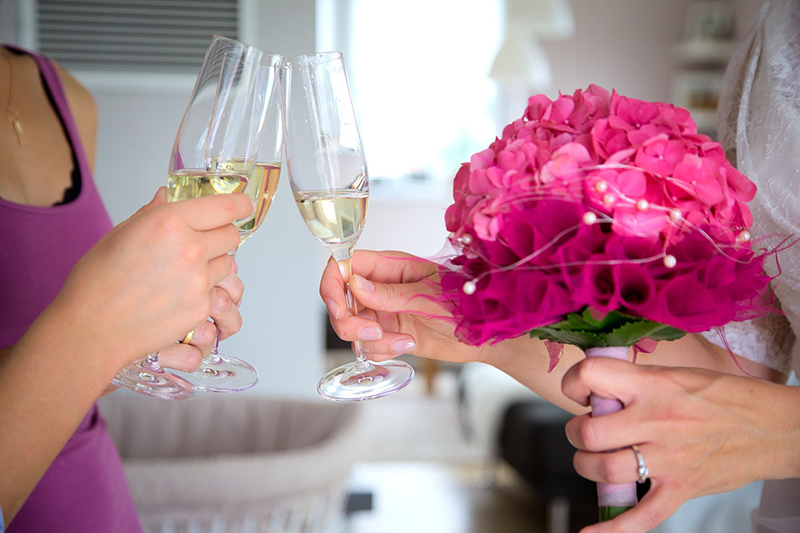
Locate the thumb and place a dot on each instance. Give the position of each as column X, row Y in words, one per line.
column 420, row 298
column 159, row 198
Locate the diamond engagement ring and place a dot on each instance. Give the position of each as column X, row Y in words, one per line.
column 642, row 468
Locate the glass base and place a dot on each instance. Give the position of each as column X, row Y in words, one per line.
column 142, row 378
column 356, row 382
column 222, row 373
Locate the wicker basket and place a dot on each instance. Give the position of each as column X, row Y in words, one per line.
column 238, row 463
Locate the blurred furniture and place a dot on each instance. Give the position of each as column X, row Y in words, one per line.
column 236, row 463
column 702, row 54
column 532, row 440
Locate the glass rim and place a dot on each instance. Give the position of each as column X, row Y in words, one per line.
column 312, row 60
column 275, row 58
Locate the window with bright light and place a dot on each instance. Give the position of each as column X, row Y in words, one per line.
column 419, row 75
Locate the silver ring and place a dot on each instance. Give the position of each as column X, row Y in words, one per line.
column 642, row 469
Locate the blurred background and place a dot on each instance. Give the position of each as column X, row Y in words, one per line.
column 462, row 449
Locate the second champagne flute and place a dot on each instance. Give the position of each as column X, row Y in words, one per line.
column 328, row 174
column 240, row 152
column 233, row 108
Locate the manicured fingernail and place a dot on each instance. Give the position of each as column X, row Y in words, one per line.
column 403, row 346
column 363, row 284
column 333, row 309
column 371, row 333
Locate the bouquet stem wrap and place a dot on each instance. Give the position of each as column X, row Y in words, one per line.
column 612, row 499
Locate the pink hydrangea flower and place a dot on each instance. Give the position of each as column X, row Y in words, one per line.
column 598, row 200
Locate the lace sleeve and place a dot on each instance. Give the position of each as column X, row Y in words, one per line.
column 767, row 340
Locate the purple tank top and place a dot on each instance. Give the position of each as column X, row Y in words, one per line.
column 84, row 489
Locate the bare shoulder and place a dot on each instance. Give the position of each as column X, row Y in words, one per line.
column 84, row 110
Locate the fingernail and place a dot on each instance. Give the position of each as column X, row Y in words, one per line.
column 371, row 333
column 403, row 346
column 363, row 284
column 333, row 309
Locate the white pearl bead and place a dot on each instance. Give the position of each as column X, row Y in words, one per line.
column 589, row 218
column 469, row 287
column 642, row 204
column 744, row 236
column 675, row 214
column 466, row 239
column 670, row 261
column 602, row 186
column 608, row 199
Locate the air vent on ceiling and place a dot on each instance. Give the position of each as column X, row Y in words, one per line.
column 143, row 35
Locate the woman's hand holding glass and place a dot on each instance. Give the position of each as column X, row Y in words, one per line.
column 230, row 141
column 328, row 174
column 216, row 152
column 399, row 308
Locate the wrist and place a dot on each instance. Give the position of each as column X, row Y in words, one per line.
column 67, row 328
column 793, row 437
column 775, row 424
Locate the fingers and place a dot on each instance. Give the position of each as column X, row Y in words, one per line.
column 188, row 357
column 392, row 266
column 225, row 314
column 606, row 377
column 159, row 198
column 211, row 212
column 608, row 432
column 615, row 467
column 219, row 268
column 390, row 345
column 233, row 285
column 404, row 297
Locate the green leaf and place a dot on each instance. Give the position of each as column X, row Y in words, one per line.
column 613, row 329
column 581, row 339
column 632, row 332
column 667, row 333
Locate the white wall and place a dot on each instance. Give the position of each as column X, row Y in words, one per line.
column 627, row 45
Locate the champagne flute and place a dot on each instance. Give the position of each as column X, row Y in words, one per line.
column 214, row 153
column 239, row 151
column 328, row 174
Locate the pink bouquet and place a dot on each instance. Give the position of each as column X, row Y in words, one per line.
column 601, row 221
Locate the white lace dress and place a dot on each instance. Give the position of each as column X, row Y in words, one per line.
column 759, row 125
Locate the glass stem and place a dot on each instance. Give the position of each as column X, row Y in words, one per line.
column 345, row 268
column 151, row 362
column 214, row 357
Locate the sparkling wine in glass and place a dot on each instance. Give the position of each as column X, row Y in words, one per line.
column 238, row 125
column 328, row 175
column 215, row 152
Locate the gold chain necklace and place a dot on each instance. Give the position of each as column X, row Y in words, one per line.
column 11, row 114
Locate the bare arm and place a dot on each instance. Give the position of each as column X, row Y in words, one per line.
column 148, row 282
column 398, row 293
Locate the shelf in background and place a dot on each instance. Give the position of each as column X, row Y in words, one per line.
column 708, row 51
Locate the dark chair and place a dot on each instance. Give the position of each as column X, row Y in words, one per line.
column 533, row 442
